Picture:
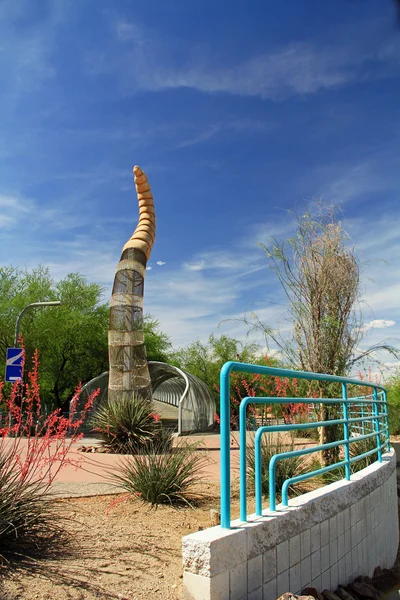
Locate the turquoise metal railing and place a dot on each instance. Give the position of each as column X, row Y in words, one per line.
column 363, row 418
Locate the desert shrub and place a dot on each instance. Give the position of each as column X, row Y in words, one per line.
column 356, row 449
column 33, row 449
column 161, row 441
column 30, row 527
column 167, row 477
column 127, row 425
column 302, row 416
column 394, row 418
column 285, row 469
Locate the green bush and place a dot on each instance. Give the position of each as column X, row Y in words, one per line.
column 311, row 434
column 285, row 468
column 393, row 398
column 357, row 448
column 167, row 477
column 127, row 425
column 394, row 419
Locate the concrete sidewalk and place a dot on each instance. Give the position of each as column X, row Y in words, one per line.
column 95, row 469
column 86, row 474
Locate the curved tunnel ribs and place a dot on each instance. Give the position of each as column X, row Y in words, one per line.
column 129, row 373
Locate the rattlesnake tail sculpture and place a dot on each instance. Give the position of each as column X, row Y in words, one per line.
column 128, row 372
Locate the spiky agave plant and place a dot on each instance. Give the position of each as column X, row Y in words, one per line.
column 129, row 425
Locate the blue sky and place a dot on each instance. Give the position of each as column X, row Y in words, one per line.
column 237, row 113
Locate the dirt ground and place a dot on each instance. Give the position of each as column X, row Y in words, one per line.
column 123, row 550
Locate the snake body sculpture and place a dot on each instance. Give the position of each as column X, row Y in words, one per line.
column 128, row 373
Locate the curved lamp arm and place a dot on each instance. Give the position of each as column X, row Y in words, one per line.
column 21, row 314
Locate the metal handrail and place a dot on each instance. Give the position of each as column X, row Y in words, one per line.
column 377, row 410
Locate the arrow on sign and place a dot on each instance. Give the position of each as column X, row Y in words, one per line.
column 14, row 360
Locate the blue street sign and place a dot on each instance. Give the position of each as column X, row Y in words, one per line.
column 14, row 364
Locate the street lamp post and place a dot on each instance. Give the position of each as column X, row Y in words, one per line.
column 32, row 305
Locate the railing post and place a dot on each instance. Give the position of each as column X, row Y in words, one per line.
column 375, row 406
column 346, row 432
column 386, row 419
column 225, row 447
column 272, row 484
column 257, row 472
column 362, row 416
column 242, row 459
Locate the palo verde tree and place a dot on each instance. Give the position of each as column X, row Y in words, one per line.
column 205, row 359
column 320, row 276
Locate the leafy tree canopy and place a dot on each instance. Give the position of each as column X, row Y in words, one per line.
column 71, row 338
column 206, row 359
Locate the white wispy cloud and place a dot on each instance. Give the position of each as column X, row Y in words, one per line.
column 297, row 68
column 15, row 209
column 375, row 175
column 160, row 263
column 195, row 266
column 221, row 259
column 6, row 221
column 32, row 214
column 380, row 324
column 239, row 127
column 15, row 203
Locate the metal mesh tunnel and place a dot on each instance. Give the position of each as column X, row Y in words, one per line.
column 171, row 385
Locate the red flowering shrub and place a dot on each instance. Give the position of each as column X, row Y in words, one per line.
column 253, row 385
column 33, row 449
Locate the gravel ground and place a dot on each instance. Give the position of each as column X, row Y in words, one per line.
column 123, row 550
column 81, row 490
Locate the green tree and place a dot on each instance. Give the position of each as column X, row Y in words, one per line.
column 393, row 398
column 71, row 338
column 158, row 344
column 206, row 359
column 17, row 289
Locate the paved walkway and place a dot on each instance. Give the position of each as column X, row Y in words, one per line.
column 91, row 473
column 93, row 476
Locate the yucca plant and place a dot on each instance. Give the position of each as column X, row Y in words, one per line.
column 285, row 468
column 168, row 477
column 129, row 425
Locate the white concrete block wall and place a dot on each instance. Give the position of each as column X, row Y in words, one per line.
column 325, row 538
